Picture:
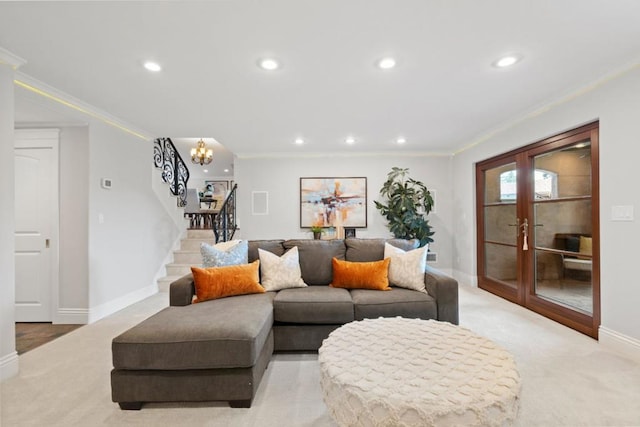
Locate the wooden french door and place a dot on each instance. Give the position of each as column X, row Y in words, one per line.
column 538, row 228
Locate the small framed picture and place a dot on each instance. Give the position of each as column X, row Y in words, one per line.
column 217, row 188
column 349, row 232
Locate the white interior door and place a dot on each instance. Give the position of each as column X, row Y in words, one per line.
column 36, row 215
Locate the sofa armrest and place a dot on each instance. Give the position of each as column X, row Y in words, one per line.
column 181, row 291
column 445, row 291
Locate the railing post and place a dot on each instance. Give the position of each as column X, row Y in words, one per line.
column 176, row 174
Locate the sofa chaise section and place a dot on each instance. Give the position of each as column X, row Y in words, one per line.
column 216, row 350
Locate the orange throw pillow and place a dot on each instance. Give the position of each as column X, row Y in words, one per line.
column 361, row 275
column 220, row 282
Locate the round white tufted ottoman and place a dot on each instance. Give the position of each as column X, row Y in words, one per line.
column 410, row 372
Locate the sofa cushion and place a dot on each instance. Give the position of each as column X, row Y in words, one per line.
column 314, row 304
column 315, row 258
column 220, row 282
column 280, row 272
column 273, row 246
column 223, row 333
column 361, row 275
column 370, row 304
column 224, row 254
column 406, row 269
column 364, row 250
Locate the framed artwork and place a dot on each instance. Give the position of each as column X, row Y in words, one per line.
column 219, row 188
column 329, row 202
column 349, row 233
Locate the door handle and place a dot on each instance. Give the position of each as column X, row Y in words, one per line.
column 47, row 243
column 525, row 232
column 517, row 224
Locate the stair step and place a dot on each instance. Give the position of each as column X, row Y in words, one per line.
column 200, row 234
column 187, row 257
column 193, row 244
column 165, row 282
column 180, row 269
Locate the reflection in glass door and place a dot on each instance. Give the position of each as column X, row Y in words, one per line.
column 538, row 228
column 563, row 227
column 501, row 225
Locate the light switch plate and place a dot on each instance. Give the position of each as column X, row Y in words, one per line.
column 622, row 213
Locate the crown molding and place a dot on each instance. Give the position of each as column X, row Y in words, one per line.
column 548, row 105
column 317, row 155
column 14, row 61
column 37, row 87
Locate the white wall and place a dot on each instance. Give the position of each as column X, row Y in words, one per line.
column 128, row 246
column 280, row 177
column 8, row 356
column 73, row 298
column 616, row 103
column 103, row 267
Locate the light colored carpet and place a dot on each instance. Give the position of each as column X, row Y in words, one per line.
column 568, row 379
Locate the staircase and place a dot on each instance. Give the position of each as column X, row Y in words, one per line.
column 187, row 256
column 175, row 173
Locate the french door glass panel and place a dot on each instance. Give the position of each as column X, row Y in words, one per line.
column 500, row 225
column 562, row 228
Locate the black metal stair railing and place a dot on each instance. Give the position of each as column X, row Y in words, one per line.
column 174, row 170
column 224, row 223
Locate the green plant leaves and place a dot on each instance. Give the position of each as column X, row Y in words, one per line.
column 408, row 202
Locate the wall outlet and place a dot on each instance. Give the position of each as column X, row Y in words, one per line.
column 432, row 257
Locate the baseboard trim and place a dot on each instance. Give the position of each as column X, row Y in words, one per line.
column 162, row 271
column 619, row 343
column 72, row 316
column 110, row 307
column 9, row 366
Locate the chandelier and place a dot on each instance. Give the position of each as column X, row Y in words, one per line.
column 201, row 154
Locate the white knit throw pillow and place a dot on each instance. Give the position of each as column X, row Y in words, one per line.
column 406, row 269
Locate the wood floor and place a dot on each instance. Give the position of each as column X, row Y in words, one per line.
column 32, row 335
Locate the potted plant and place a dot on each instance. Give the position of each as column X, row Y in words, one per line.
column 407, row 204
column 317, row 232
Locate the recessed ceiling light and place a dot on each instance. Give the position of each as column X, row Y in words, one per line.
column 386, row 63
column 299, row 141
column 350, row 140
column 205, row 170
column 152, row 66
column 507, row 60
column 401, row 140
column 226, row 170
column 269, row 64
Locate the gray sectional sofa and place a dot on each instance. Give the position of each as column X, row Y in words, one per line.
column 219, row 349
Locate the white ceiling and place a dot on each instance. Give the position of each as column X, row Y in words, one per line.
column 443, row 94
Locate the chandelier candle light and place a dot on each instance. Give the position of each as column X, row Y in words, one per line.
column 201, row 154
